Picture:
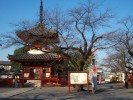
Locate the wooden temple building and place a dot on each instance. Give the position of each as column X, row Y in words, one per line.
column 39, row 63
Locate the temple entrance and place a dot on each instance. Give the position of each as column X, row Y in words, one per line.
column 32, row 73
column 39, row 76
column 35, row 73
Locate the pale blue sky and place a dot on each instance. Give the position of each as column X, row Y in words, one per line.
column 13, row 11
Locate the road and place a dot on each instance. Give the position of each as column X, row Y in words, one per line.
column 104, row 92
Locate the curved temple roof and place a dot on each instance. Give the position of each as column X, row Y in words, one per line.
column 35, row 57
column 38, row 34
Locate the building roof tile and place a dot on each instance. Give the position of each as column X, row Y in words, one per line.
column 35, row 57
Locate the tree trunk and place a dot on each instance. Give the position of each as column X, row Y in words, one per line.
column 81, row 69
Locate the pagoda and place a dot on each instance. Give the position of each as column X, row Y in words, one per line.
column 38, row 62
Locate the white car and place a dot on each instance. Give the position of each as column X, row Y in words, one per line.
column 107, row 80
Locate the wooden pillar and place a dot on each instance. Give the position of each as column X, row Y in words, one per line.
column 50, row 70
column 22, row 80
column 50, row 74
column 88, row 82
column 41, row 76
column 68, row 82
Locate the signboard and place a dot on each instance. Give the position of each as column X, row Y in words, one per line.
column 78, row 78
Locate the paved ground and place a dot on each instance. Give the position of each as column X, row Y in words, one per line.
column 9, row 92
column 104, row 92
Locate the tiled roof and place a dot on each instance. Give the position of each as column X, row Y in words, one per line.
column 38, row 31
column 4, row 62
column 34, row 57
column 37, row 40
column 41, row 31
column 38, row 34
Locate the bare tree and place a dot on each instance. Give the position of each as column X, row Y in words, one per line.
column 126, row 34
column 117, row 61
column 123, row 46
column 80, row 32
column 87, row 19
column 11, row 38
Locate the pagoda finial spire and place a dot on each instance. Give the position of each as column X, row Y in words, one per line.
column 41, row 13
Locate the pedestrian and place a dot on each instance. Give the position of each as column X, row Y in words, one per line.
column 16, row 83
column 13, row 82
column 126, row 81
column 94, row 84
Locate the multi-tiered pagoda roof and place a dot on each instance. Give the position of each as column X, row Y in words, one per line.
column 39, row 38
column 38, row 35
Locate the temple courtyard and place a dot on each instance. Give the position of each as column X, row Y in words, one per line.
column 104, row 92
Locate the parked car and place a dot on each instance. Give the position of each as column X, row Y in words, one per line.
column 107, row 80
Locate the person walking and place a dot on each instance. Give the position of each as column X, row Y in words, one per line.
column 13, row 82
column 126, row 81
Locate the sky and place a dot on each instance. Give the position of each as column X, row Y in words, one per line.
column 14, row 11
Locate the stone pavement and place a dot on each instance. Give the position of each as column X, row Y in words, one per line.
column 8, row 92
column 104, row 92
